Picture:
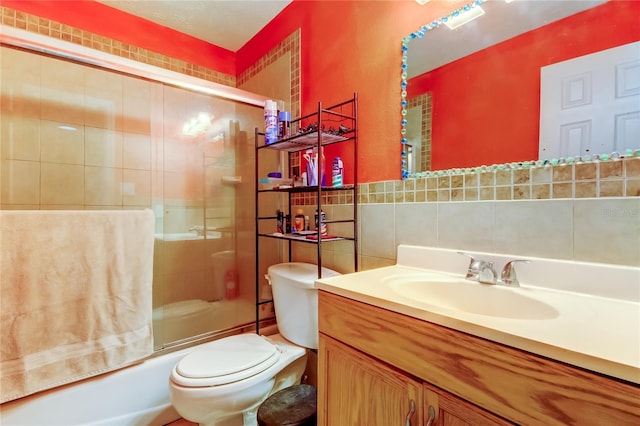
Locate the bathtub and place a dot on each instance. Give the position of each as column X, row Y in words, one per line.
column 136, row 395
column 188, row 318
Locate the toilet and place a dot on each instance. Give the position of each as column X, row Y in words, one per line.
column 223, row 383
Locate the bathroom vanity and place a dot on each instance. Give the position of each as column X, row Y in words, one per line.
column 386, row 360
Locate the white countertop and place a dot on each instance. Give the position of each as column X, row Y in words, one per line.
column 596, row 329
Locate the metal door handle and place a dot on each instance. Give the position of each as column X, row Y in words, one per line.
column 432, row 416
column 412, row 409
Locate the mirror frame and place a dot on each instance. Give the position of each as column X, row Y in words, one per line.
column 420, row 33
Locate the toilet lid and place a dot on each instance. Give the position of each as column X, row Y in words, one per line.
column 226, row 360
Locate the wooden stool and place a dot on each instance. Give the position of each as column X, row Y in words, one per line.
column 292, row 406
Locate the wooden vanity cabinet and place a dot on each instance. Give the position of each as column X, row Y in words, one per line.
column 372, row 362
column 364, row 391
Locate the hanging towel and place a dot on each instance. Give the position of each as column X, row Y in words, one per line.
column 75, row 295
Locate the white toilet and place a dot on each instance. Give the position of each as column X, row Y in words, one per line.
column 225, row 381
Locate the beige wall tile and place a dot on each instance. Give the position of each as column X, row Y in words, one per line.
column 20, row 137
column 102, row 186
column 541, row 175
column 632, row 167
column 633, row 188
column 62, row 184
column 503, row 192
column 466, row 225
column 102, row 147
column 416, row 224
column 541, row 192
column 487, row 193
column 586, row 171
column 607, row 230
column 136, row 187
column 487, row 179
column 503, row 177
column 611, row 188
column 610, row 169
column 136, row 113
column 378, row 224
column 136, row 152
column 541, row 228
column 19, row 98
column 20, row 182
column 586, row 189
column 563, row 190
column 59, row 145
column 521, row 176
column 562, row 173
column 471, row 194
column 521, row 192
column 19, row 66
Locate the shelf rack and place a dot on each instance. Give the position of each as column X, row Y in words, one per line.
column 315, row 138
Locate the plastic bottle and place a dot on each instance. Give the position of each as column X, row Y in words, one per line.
column 284, row 124
column 337, row 172
column 299, row 221
column 279, row 221
column 270, row 122
column 323, row 225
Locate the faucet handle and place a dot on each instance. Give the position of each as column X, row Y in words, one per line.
column 508, row 275
column 474, row 266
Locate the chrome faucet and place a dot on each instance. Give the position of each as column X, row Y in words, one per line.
column 483, row 272
column 199, row 229
column 508, row 276
column 488, row 275
column 473, row 271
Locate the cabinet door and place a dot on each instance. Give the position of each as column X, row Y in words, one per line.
column 357, row 390
column 443, row 409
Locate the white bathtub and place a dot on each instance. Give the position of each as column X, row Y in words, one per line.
column 137, row 395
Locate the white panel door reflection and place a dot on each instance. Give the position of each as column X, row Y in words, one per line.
column 591, row 104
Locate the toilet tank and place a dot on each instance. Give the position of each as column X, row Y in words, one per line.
column 295, row 299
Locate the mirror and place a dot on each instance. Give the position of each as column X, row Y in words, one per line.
column 472, row 96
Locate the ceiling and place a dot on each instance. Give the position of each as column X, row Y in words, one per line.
column 225, row 23
column 501, row 22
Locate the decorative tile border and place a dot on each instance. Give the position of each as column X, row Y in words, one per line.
column 46, row 27
column 598, row 179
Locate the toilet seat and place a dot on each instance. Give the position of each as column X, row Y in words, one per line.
column 226, row 361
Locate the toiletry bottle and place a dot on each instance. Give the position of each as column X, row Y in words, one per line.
column 279, row 221
column 323, row 225
column 287, row 225
column 299, row 221
column 270, row 122
column 284, row 124
column 337, row 172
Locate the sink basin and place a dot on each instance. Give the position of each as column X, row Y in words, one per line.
column 471, row 297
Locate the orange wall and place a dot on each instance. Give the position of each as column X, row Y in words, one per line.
column 347, row 46
column 505, row 120
column 353, row 46
column 101, row 19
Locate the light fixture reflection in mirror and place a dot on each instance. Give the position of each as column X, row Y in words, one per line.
column 517, row 123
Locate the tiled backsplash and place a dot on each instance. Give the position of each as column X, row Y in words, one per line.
column 46, row 27
column 611, row 178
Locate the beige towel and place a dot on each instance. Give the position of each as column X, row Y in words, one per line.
column 75, row 295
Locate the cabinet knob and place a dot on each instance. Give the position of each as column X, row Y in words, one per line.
column 432, row 416
column 412, row 409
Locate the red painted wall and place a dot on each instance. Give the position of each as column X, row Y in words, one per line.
column 353, row 46
column 505, row 119
column 101, row 19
